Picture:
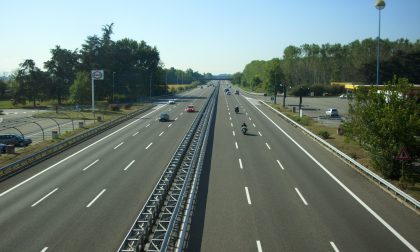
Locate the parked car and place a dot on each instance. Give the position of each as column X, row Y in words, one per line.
column 331, row 112
column 171, row 102
column 164, row 117
column 190, row 108
column 343, row 96
column 15, row 140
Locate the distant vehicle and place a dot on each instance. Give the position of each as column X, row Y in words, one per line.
column 226, row 90
column 3, row 148
column 331, row 112
column 15, row 140
column 343, row 96
column 171, row 102
column 164, row 117
column 237, row 92
column 228, row 93
column 190, row 108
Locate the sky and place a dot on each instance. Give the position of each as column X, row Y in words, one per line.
column 217, row 36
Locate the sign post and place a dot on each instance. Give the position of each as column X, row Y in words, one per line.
column 403, row 156
column 95, row 75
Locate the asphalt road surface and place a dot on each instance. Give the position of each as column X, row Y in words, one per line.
column 277, row 190
column 86, row 198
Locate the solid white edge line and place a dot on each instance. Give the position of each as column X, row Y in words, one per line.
column 87, row 167
column 44, row 249
column 128, row 166
column 135, row 133
column 72, row 155
column 248, row 198
column 118, row 145
column 97, row 197
column 363, row 204
column 161, row 133
column 39, row 201
column 281, row 166
column 236, row 144
column 240, row 163
column 301, row 197
column 334, row 247
column 259, row 246
column 150, row 144
column 268, row 146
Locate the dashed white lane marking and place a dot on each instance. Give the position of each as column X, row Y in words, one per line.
column 181, row 113
column 44, row 249
column 268, row 146
column 253, row 124
column 46, row 196
column 87, row 167
column 118, row 145
column 135, row 133
column 246, row 113
column 249, row 118
column 97, row 197
column 128, row 166
column 231, row 124
column 229, row 113
column 147, row 125
column 248, row 198
column 176, row 118
column 156, row 119
column 240, row 163
column 233, row 133
column 281, row 166
column 236, row 144
column 169, row 125
column 259, row 246
column 301, row 197
column 259, row 133
column 334, row 247
column 150, row 144
column 161, row 133
column 230, row 118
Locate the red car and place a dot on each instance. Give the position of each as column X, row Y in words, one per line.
column 190, row 108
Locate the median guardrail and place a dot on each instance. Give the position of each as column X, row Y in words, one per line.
column 387, row 185
column 20, row 165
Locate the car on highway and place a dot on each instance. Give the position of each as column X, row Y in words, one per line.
column 3, row 148
column 331, row 112
column 190, row 108
column 237, row 92
column 15, row 140
column 163, row 117
column 171, row 102
column 343, row 96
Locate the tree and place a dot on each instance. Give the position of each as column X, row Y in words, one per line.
column 384, row 121
column 80, row 90
column 29, row 82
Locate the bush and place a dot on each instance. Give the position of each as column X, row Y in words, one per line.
column 128, row 105
column 324, row 134
column 114, row 107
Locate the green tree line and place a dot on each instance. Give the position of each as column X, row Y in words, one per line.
column 132, row 70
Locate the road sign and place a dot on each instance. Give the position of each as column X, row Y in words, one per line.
column 97, row 74
column 403, row 155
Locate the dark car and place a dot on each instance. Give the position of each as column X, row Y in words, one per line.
column 2, row 148
column 15, row 140
column 164, row 117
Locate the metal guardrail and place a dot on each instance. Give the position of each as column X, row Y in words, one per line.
column 163, row 205
column 404, row 196
column 20, row 165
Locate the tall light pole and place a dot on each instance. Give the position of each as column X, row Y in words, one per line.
column 380, row 5
column 150, row 87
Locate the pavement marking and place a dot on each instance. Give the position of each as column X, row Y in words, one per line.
column 248, row 198
column 87, row 167
column 176, row 118
column 156, row 119
column 181, row 113
column 240, row 164
column 169, row 109
column 97, row 197
column 161, row 133
column 253, row 124
column 341, row 184
column 236, row 144
column 135, row 133
column 233, row 132
column 39, row 201
column 128, row 166
column 259, row 133
column 169, row 125
column 246, row 113
column 147, row 125
column 268, row 146
column 281, row 166
column 231, row 124
column 230, row 118
column 44, row 249
column 249, row 118
column 229, row 113
column 150, row 144
column 334, row 247
column 259, row 246
column 301, row 197
column 118, row 145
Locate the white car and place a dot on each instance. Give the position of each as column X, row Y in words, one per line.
column 331, row 112
column 171, row 102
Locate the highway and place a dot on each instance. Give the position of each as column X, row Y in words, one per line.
column 275, row 189
column 86, row 198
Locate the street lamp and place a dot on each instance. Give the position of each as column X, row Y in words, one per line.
column 150, row 87
column 380, row 5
